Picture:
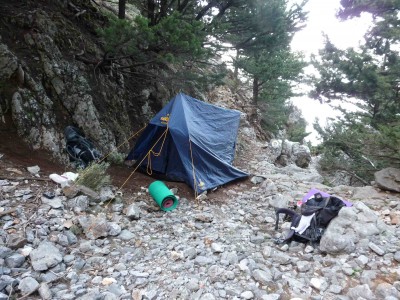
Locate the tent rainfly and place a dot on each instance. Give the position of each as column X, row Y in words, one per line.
column 191, row 141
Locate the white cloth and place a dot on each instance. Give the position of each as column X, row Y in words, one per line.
column 64, row 179
column 303, row 224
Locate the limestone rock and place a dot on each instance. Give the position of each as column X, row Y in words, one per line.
column 388, row 179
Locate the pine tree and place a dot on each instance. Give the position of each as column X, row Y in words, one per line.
column 363, row 141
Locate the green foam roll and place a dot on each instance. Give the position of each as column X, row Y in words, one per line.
column 163, row 196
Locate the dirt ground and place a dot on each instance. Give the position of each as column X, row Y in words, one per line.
column 16, row 156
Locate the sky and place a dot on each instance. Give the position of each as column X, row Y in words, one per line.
column 321, row 19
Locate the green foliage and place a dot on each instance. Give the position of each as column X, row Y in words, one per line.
column 367, row 139
column 116, row 158
column 358, row 149
column 94, row 176
column 297, row 132
column 276, row 113
column 261, row 32
column 172, row 40
column 283, row 116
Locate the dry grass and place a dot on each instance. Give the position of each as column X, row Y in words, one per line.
column 94, row 176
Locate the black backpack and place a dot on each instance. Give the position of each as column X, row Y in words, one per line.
column 80, row 150
column 324, row 210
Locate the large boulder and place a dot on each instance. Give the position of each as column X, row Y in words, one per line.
column 388, row 179
column 351, row 228
column 287, row 152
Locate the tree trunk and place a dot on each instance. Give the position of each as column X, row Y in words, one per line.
column 236, row 71
column 256, row 90
column 163, row 9
column 121, row 9
column 151, row 14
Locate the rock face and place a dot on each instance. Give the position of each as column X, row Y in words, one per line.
column 388, row 179
column 51, row 88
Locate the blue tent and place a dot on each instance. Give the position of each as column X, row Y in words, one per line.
column 191, row 141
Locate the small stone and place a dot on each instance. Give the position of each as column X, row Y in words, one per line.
column 15, row 260
column 108, row 281
column 28, row 285
column 247, row 295
column 176, row 255
column 284, row 247
column 362, row 260
column 126, row 235
column 15, row 241
column 217, row 248
column 309, row 249
column 397, row 256
column 376, row 249
column 316, row 283
column 33, row 170
column 193, row 284
column 44, row 291
column 133, row 212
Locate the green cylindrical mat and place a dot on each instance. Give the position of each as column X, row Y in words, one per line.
column 163, row 196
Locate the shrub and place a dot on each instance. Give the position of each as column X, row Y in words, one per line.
column 94, row 176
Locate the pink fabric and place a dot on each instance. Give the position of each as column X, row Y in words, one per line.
column 314, row 191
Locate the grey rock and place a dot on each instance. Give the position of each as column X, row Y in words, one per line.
column 94, row 227
column 106, row 194
column 28, row 285
column 72, row 239
column 133, row 212
column 81, row 202
column 34, row 170
column 16, row 241
column 15, row 260
column 361, row 291
column 56, row 202
column 247, row 295
column 257, row 179
column 193, row 284
column 388, row 179
column 44, row 291
column 203, row 260
column 397, row 256
column 263, row 276
column 303, row 266
column 215, row 273
column 5, row 252
column 45, row 256
column 385, row 290
column 126, row 235
column 376, row 249
column 114, row 229
column 217, row 248
column 207, row 296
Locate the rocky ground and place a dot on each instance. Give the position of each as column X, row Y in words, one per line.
column 83, row 245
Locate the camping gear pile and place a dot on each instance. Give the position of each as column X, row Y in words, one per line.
column 317, row 210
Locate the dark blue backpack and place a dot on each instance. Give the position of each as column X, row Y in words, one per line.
column 80, row 149
column 322, row 210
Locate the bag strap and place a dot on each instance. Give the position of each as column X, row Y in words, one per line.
column 285, row 211
column 328, row 199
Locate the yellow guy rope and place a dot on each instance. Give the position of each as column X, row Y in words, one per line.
column 193, row 170
column 149, row 170
column 119, row 146
column 148, row 156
